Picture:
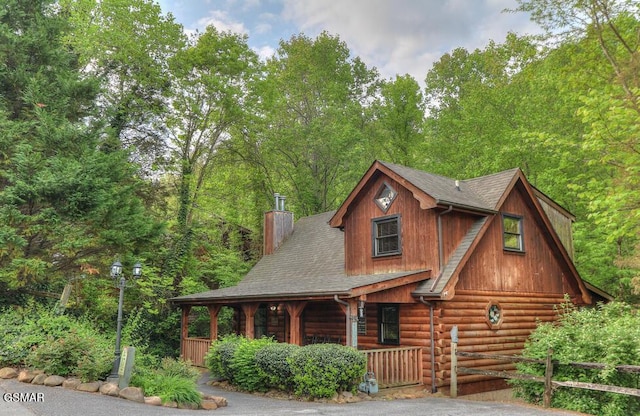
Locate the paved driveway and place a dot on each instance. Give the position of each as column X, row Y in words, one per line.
column 57, row 401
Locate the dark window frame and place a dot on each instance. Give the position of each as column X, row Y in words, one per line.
column 384, row 324
column 508, row 235
column 377, row 241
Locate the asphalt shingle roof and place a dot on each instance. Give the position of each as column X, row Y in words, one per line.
column 309, row 263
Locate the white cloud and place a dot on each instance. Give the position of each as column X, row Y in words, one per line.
column 222, row 21
column 406, row 36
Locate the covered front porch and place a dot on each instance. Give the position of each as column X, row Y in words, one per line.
column 375, row 328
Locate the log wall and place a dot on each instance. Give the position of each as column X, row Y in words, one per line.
column 468, row 311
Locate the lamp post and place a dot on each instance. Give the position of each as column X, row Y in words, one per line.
column 121, row 283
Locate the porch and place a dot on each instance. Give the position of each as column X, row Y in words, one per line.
column 393, row 367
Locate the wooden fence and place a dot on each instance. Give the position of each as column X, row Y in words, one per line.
column 549, row 363
column 194, row 350
column 394, row 367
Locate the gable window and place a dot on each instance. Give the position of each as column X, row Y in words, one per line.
column 389, row 324
column 386, row 236
column 512, row 232
column 385, row 197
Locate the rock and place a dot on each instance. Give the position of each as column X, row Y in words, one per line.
column 153, row 401
column 26, row 376
column 132, row 393
column 347, row 395
column 39, row 379
column 173, row 405
column 71, row 383
column 208, row 405
column 191, row 406
column 219, row 401
column 89, row 387
column 54, row 381
column 110, row 389
column 8, row 372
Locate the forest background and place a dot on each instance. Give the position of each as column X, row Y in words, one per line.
column 121, row 138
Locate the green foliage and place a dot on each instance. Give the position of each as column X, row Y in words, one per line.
column 220, row 356
column 246, row 372
column 321, row 370
column 57, row 344
column 272, row 361
column 173, row 380
column 608, row 334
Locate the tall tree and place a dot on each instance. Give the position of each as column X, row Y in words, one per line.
column 610, row 112
column 312, row 138
column 398, row 130
column 128, row 45
column 211, row 80
column 63, row 202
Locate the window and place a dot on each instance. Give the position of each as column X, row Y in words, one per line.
column 386, row 236
column 385, row 197
column 512, row 233
column 389, row 324
column 260, row 322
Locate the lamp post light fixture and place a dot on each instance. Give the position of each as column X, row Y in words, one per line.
column 121, row 283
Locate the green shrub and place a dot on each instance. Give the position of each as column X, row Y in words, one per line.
column 321, row 370
column 81, row 355
column 218, row 359
column 170, row 379
column 608, row 334
column 272, row 361
column 246, row 373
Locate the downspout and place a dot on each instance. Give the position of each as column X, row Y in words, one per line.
column 434, row 389
column 349, row 327
column 440, row 247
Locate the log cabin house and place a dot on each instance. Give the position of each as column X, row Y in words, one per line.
column 407, row 256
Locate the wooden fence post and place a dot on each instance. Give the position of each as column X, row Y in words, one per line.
column 548, row 373
column 453, row 390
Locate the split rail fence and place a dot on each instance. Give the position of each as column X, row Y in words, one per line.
column 549, row 383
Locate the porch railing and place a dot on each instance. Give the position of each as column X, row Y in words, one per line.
column 395, row 367
column 194, row 349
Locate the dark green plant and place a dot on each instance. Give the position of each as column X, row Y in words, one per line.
column 170, row 379
column 608, row 334
column 220, row 355
column 322, row 370
column 272, row 361
column 246, row 373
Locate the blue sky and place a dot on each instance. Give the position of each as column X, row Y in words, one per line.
column 395, row 36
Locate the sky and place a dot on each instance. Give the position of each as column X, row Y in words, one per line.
column 397, row 37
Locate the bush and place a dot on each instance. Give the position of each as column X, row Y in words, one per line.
column 321, row 370
column 272, row 361
column 246, row 373
column 218, row 359
column 173, row 381
column 608, row 334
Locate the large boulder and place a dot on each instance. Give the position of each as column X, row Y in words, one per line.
column 39, row 379
column 110, row 389
column 89, row 387
column 8, row 372
column 54, row 381
column 26, row 376
column 71, row 383
column 132, row 393
column 153, row 400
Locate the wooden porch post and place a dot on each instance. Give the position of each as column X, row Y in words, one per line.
column 249, row 310
column 213, row 321
column 350, row 309
column 184, row 328
column 295, row 311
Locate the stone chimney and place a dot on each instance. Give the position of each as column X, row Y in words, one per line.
column 278, row 225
